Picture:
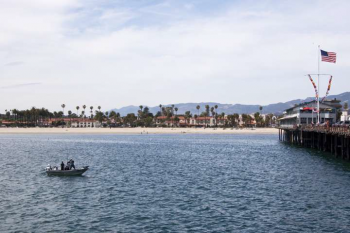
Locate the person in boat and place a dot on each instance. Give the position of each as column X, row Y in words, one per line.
column 72, row 164
column 68, row 165
column 62, row 165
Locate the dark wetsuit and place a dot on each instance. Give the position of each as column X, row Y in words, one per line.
column 72, row 164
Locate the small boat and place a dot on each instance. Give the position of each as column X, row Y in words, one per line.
column 72, row 172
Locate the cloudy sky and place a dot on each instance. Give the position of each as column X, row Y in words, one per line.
column 151, row 52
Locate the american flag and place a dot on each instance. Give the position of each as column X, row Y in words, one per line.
column 328, row 56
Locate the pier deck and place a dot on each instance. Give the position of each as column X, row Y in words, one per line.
column 335, row 140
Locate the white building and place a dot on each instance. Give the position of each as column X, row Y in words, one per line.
column 85, row 123
column 306, row 113
column 345, row 116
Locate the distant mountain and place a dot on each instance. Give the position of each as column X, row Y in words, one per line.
column 276, row 108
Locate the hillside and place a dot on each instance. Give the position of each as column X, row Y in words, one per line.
column 276, row 108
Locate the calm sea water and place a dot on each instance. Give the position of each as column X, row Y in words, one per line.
column 171, row 183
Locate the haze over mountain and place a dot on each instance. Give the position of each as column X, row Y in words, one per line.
column 276, row 108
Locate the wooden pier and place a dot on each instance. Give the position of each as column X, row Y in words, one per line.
column 335, row 140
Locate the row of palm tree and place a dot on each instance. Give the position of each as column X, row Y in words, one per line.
column 83, row 112
column 144, row 117
column 31, row 117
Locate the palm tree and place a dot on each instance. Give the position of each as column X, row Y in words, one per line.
column 84, row 107
column 260, row 108
column 77, row 107
column 176, row 109
column 99, row 108
column 63, row 106
column 223, row 117
column 244, row 119
column 216, row 114
column 140, row 111
column 160, row 107
column 236, row 118
column 207, row 111
column 212, row 112
column 15, row 113
column 91, row 108
column 70, row 117
column 83, row 113
column 187, row 116
column 172, row 109
column 195, row 117
column 118, row 117
column 250, row 118
column 198, row 107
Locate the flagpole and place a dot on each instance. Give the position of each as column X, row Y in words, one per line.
column 318, row 86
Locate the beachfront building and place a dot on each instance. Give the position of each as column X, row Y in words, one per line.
column 221, row 121
column 181, row 121
column 5, row 123
column 203, row 121
column 72, row 122
column 306, row 113
column 50, row 122
column 345, row 115
column 85, row 123
column 248, row 123
column 175, row 121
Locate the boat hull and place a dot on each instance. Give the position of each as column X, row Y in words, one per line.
column 74, row 172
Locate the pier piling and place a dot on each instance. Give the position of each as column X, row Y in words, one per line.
column 335, row 140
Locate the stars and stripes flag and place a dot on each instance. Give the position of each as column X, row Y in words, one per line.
column 328, row 56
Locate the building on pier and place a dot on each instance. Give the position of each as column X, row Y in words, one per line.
column 306, row 113
column 345, row 115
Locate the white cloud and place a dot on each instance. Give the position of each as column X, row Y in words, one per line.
column 118, row 56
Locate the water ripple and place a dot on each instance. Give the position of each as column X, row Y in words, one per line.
column 171, row 183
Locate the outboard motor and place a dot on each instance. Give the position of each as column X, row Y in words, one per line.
column 48, row 168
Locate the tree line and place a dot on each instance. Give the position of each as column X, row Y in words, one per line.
column 144, row 118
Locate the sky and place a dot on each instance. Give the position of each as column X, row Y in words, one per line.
column 151, row 52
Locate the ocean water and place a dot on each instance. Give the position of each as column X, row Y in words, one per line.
column 171, row 183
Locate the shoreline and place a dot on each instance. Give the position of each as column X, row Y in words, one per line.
column 137, row 131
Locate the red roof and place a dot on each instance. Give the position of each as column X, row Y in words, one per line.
column 204, row 118
column 165, row 117
column 70, row 120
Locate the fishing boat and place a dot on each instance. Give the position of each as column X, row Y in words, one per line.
column 73, row 172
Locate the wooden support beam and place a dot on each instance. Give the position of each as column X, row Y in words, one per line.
column 341, row 147
column 334, row 140
column 279, row 134
column 332, row 143
column 336, row 145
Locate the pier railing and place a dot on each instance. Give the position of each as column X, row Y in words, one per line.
column 344, row 130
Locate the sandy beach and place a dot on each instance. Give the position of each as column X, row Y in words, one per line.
column 136, row 131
